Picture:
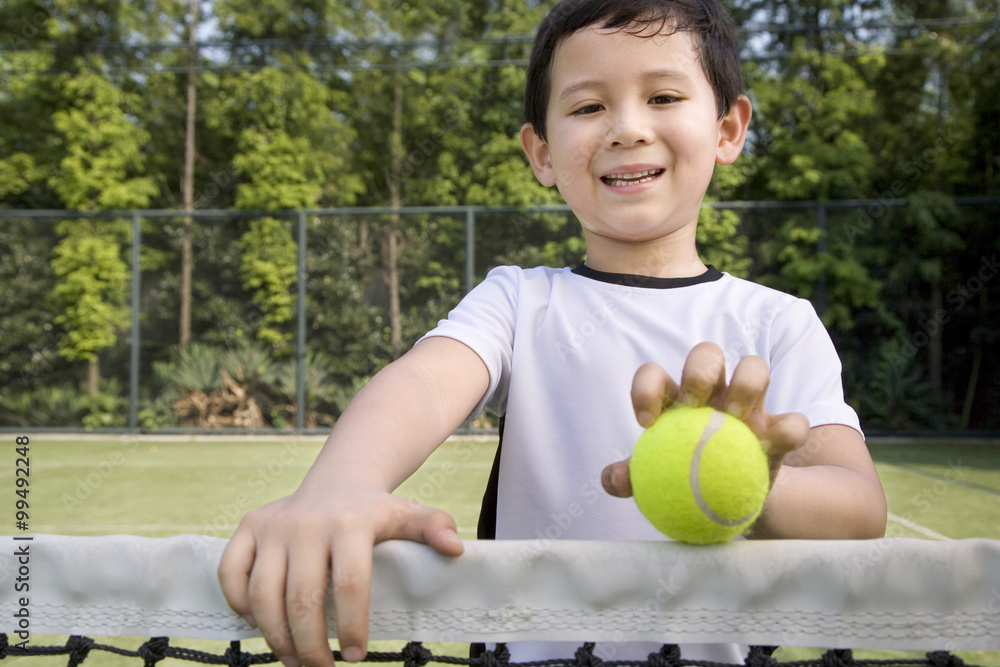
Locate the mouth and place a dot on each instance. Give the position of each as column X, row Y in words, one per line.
column 632, row 178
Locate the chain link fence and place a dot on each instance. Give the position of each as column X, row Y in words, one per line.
column 290, row 317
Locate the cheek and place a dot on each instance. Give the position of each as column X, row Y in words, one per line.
column 693, row 140
column 698, row 160
column 573, row 168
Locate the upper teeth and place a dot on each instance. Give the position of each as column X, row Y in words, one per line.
column 635, row 177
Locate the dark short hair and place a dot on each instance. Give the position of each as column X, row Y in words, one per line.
column 712, row 26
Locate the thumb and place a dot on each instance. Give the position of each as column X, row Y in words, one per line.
column 441, row 533
column 420, row 523
column 616, row 480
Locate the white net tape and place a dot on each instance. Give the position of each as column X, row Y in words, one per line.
column 892, row 593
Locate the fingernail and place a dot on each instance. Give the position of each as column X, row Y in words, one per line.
column 607, row 479
column 289, row 661
column 351, row 654
column 251, row 621
column 453, row 537
column 645, row 418
column 735, row 410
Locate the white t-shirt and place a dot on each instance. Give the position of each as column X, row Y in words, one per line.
column 562, row 347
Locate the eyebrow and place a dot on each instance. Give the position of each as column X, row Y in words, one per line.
column 654, row 75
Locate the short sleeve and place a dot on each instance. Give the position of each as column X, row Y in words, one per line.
column 806, row 370
column 484, row 321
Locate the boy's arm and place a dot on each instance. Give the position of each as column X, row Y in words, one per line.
column 276, row 568
column 824, row 484
column 826, row 489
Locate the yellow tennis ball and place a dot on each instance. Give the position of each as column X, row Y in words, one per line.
column 699, row 475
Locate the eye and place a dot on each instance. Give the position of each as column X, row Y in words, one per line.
column 588, row 109
column 663, row 99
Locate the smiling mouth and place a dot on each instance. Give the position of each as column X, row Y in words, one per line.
column 619, row 180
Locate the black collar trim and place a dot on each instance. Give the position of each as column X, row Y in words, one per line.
column 629, row 280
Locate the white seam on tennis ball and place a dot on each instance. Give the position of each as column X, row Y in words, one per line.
column 711, row 428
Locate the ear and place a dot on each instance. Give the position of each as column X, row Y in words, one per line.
column 538, row 155
column 733, row 131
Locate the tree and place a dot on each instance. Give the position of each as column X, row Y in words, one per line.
column 268, row 268
column 400, row 103
column 442, row 132
column 28, row 340
column 100, row 169
column 187, row 178
column 291, row 152
column 92, row 292
column 814, row 107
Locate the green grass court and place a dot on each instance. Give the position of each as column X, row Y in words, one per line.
column 163, row 487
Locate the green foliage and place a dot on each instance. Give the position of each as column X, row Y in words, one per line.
column 250, row 366
column 899, row 397
column 103, row 159
column 212, row 387
column 814, row 114
column 156, row 414
column 339, row 299
column 720, row 244
column 934, row 228
column 275, row 18
column 279, row 174
column 49, row 406
column 838, row 113
column 803, row 269
column 321, row 392
column 91, row 292
column 292, row 146
column 28, row 335
column 64, row 406
column 17, row 172
column 197, row 370
column 269, row 269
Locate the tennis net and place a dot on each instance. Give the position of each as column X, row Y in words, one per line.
column 935, row 597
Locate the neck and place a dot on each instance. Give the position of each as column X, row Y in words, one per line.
column 661, row 259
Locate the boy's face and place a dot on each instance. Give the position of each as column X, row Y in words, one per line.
column 633, row 139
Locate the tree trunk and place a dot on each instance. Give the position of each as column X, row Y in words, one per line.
column 187, row 183
column 970, row 390
column 93, row 376
column 391, row 248
column 977, row 362
column 392, row 275
column 935, row 344
column 364, row 242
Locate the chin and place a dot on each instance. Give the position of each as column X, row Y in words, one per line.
column 626, row 237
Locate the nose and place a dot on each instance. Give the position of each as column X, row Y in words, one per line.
column 629, row 125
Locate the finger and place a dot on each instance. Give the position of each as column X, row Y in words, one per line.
column 785, row 434
column 351, row 575
column 704, row 375
column 746, row 390
column 652, row 389
column 440, row 531
column 305, row 605
column 234, row 573
column 617, row 480
column 412, row 520
column 266, row 590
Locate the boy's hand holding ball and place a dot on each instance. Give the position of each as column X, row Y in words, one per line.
column 698, row 474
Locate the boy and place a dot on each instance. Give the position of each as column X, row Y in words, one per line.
column 629, row 106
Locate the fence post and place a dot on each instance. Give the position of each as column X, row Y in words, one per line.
column 820, row 251
column 470, row 249
column 300, row 330
column 133, row 381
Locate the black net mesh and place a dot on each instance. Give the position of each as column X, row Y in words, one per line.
column 414, row 654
